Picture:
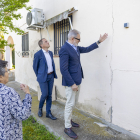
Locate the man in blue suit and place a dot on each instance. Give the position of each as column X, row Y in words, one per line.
column 44, row 69
column 72, row 74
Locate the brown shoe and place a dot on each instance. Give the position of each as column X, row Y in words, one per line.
column 70, row 133
column 74, row 124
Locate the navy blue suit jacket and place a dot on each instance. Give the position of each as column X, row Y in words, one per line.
column 40, row 66
column 70, row 65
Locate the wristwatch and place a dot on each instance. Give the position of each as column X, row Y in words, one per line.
column 98, row 42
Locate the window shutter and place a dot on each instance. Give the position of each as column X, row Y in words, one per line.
column 61, row 30
column 25, row 45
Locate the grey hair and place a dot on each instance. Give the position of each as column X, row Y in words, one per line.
column 3, row 65
column 40, row 42
column 73, row 33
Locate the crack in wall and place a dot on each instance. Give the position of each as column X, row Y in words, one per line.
column 111, row 62
column 126, row 70
column 110, row 112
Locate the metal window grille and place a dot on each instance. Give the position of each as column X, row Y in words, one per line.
column 25, row 45
column 61, row 30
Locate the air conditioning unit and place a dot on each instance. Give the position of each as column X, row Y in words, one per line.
column 35, row 19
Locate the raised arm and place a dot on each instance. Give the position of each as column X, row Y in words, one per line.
column 102, row 38
column 94, row 45
column 88, row 49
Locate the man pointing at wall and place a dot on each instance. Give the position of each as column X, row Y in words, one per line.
column 72, row 74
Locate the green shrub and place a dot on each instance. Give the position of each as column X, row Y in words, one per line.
column 32, row 130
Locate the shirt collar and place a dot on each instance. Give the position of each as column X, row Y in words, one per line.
column 71, row 44
column 45, row 51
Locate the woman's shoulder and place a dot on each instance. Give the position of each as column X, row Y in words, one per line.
column 5, row 90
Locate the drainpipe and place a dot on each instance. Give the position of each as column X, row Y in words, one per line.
column 70, row 23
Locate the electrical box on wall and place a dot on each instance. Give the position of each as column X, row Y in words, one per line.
column 126, row 25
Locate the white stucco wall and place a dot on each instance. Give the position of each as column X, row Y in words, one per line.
column 110, row 88
column 8, row 56
column 125, row 65
column 8, row 52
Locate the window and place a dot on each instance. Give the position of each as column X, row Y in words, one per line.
column 25, row 45
column 61, row 30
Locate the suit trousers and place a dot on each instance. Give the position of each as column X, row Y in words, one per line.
column 46, row 90
column 72, row 99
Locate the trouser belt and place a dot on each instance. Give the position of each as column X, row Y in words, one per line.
column 50, row 73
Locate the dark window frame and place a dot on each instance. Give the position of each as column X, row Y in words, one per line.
column 25, row 45
column 61, row 30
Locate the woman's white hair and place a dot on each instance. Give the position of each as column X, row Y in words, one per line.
column 73, row 33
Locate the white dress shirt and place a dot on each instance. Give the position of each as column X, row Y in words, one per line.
column 49, row 61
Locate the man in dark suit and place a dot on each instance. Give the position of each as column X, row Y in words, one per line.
column 72, row 74
column 44, row 69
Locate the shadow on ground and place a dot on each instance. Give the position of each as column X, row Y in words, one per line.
column 91, row 128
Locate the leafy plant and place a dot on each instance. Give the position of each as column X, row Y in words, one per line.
column 8, row 13
column 32, row 130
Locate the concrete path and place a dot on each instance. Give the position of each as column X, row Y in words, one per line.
column 91, row 128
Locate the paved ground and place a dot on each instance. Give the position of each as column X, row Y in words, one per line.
column 91, row 128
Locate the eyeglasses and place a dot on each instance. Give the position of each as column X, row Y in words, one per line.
column 7, row 70
column 76, row 38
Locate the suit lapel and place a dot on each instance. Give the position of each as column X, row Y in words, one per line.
column 50, row 54
column 78, row 51
column 72, row 49
column 51, row 57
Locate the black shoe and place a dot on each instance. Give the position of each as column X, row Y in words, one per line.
column 70, row 133
column 40, row 114
column 74, row 124
column 51, row 116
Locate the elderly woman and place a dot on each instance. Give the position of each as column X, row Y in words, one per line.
column 12, row 109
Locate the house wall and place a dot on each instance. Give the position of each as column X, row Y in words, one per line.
column 8, row 52
column 110, row 89
column 125, row 65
